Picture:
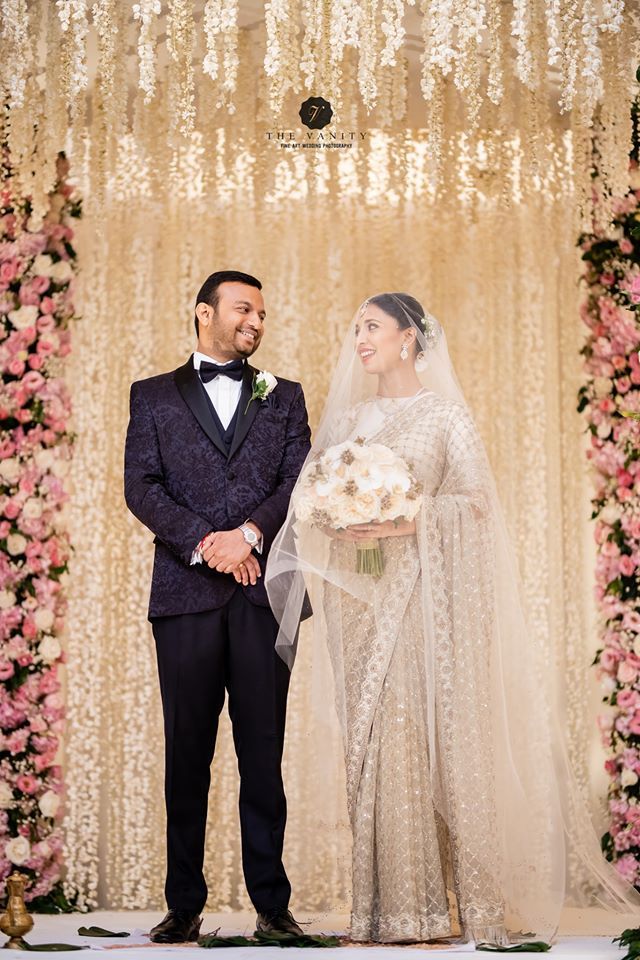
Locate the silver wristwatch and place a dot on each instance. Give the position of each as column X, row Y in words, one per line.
column 250, row 536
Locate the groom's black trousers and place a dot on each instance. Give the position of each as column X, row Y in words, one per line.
column 199, row 655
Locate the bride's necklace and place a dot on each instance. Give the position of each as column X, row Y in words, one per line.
column 392, row 402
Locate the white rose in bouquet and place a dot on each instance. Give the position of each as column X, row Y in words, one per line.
column 354, row 482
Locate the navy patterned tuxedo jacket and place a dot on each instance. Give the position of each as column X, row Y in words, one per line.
column 182, row 481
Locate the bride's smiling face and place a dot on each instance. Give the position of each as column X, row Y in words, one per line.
column 379, row 340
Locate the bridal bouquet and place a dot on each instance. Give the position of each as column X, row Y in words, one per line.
column 354, row 482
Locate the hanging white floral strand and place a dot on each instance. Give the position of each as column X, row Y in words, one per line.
column 14, row 47
column 146, row 11
column 73, row 20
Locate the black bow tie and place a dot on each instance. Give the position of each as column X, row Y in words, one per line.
column 209, row 371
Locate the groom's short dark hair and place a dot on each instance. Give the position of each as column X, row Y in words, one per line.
column 208, row 292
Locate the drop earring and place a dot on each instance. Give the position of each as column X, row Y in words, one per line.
column 404, row 353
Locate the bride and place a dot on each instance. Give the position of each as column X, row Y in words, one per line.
column 462, row 805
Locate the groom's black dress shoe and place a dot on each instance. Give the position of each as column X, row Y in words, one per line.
column 179, row 926
column 278, row 921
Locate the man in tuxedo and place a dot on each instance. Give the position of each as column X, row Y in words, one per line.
column 209, row 468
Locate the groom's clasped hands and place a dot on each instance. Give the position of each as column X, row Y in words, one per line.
column 227, row 552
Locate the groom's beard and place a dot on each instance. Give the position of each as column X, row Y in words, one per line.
column 246, row 348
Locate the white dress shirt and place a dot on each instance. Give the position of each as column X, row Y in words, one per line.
column 224, row 392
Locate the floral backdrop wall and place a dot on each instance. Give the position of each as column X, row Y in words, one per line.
column 610, row 402
column 37, row 266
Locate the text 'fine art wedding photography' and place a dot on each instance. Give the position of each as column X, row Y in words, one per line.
column 320, row 476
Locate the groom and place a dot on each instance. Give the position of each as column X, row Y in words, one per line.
column 212, row 454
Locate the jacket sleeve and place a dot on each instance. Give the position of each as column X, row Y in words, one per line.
column 272, row 512
column 144, row 491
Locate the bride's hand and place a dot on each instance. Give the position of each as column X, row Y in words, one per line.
column 341, row 534
column 390, row 528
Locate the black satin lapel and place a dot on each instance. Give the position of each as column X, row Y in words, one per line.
column 245, row 420
column 191, row 389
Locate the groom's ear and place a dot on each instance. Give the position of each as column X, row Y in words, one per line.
column 204, row 313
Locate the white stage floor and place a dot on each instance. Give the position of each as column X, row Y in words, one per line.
column 584, row 935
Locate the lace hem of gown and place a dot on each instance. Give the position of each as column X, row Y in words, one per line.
column 399, row 928
column 495, row 934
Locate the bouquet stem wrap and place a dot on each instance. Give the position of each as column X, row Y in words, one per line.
column 369, row 558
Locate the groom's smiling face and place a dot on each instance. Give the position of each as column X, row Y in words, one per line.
column 233, row 328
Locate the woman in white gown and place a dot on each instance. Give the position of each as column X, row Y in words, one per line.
column 459, row 794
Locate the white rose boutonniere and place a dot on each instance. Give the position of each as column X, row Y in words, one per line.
column 263, row 383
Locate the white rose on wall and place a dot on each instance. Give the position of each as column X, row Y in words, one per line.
column 23, row 317
column 49, row 803
column 44, row 458
column 6, row 795
column 32, row 509
column 10, row 469
column 42, row 265
column 49, row 649
column 7, row 599
column 16, row 544
column 610, row 514
column 61, row 271
column 44, row 619
column 18, row 850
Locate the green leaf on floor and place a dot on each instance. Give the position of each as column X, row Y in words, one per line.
column 213, row 941
column 100, row 932
column 630, row 939
column 534, row 946
column 52, row 947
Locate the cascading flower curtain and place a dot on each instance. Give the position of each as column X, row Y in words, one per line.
column 70, row 79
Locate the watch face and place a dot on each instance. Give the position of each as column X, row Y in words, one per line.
column 249, row 535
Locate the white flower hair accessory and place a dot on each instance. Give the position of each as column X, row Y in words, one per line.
column 430, row 328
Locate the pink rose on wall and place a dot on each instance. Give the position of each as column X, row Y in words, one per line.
column 36, row 308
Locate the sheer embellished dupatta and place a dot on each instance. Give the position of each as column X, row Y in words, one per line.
column 493, row 788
